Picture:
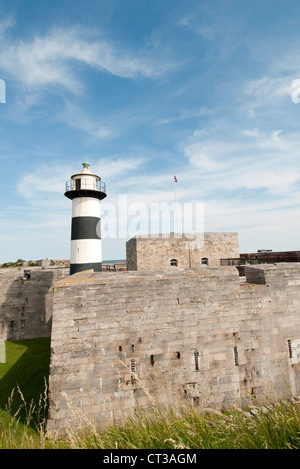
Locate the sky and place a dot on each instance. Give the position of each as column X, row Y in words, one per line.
column 144, row 90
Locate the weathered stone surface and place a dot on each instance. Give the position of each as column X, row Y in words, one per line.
column 26, row 305
column 155, row 252
column 127, row 339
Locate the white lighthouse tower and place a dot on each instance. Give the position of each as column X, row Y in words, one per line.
column 85, row 190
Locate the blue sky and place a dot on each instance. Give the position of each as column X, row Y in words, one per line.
column 145, row 90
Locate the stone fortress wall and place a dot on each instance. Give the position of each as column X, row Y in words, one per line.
column 202, row 336
column 26, row 302
column 160, row 251
column 194, row 333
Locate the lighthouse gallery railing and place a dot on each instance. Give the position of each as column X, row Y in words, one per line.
column 85, row 184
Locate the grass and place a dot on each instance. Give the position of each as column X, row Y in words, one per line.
column 23, row 385
column 191, row 428
column 23, row 411
column 26, row 368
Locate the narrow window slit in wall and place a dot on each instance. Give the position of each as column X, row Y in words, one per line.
column 236, row 356
column 196, row 357
column 132, row 366
column 178, row 355
column 132, row 348
column 133, row 370
column 152, row 361
column 289, row 342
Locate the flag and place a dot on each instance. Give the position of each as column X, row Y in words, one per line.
column 175, row 179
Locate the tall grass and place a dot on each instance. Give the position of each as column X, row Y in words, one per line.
column 25, row 427
column 275, row 427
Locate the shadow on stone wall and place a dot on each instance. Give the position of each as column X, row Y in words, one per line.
column 26, row 311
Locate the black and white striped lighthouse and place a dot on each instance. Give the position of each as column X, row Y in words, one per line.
column 85, row 189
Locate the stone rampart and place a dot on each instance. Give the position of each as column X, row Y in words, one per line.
column 26, row 302
column 127, row 339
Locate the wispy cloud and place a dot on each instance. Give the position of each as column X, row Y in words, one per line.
column 93, row 125
column 48, row 59
column 185, row 114
column 207, row 98
column 251, row 160
column 43, row 183
column 221, row 30
column 96, row 124
column 114, row 168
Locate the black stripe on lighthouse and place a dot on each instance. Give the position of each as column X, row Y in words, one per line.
column 96, row 266
column 85, row 228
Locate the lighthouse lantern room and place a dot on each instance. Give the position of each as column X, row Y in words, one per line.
column 86, row 190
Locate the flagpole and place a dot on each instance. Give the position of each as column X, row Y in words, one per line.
column 175, row 180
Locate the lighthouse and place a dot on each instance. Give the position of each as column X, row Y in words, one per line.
column 86, row 190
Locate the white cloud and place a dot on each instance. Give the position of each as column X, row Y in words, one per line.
column 184, row 115
column 44, row 185
column 253, row 160
column 268, row 89
column 79, row 119
column 113, row 170
column 274, row 221
column 44, row 182
column 96, row 124
column 6, row 24
column 48, row 59
column 200, row 155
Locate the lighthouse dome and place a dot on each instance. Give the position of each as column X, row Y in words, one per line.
column 85, row 184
